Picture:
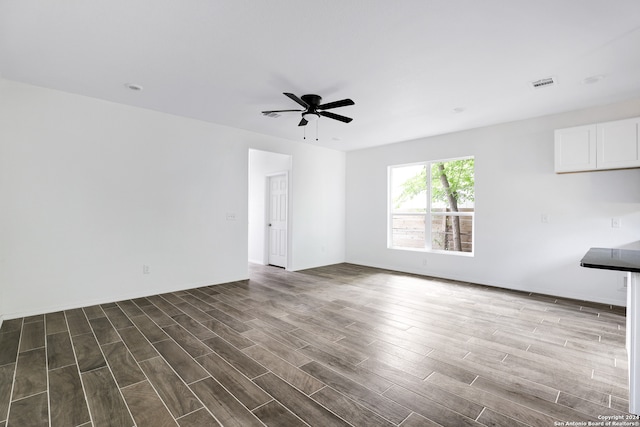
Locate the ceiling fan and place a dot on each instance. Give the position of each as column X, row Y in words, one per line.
column 313, row 109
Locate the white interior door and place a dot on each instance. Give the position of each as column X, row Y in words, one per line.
column 277, row 220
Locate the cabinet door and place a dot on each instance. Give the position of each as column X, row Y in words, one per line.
column 618, row 145
column 575, row 149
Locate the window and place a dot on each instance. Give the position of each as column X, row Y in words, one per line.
column 432, row 211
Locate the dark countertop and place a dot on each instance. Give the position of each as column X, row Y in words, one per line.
column 612, row 259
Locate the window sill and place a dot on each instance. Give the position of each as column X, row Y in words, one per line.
column 432, row 251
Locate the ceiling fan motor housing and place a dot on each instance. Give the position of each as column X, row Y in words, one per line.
column 312, row 101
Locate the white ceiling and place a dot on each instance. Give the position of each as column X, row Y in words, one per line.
column 407, row 64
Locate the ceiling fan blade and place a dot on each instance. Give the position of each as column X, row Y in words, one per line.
column 335, row 116
column 296, row 99
column 279, row 111
column 336, row 104
column 303, row 122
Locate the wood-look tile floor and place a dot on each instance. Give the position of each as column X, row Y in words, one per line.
column 333, row 346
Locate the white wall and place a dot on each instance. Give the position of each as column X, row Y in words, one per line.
column 91, row 191
column 318, row 217
column 261, row 165
column 515, row 184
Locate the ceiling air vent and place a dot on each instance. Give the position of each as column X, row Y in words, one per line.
column 271, row 114
column 546, row 82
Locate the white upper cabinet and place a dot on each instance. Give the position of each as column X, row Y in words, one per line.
column 575, row 149
column 610, row 145
column 618, row 145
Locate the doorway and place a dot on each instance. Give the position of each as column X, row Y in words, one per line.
column 264, row 168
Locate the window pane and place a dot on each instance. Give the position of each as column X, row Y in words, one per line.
column 408, row 231
column 452, row 233
column 408, row 188
column 432, row 205
column 452, row 185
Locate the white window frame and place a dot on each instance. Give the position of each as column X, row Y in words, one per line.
column 428, row 214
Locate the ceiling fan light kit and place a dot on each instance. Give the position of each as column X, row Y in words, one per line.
column 313, row 109
column 310, row 117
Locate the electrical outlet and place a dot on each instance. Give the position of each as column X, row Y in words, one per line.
column 616, row 223
column 424, row 262
column 145, row 269
column 231, row 216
